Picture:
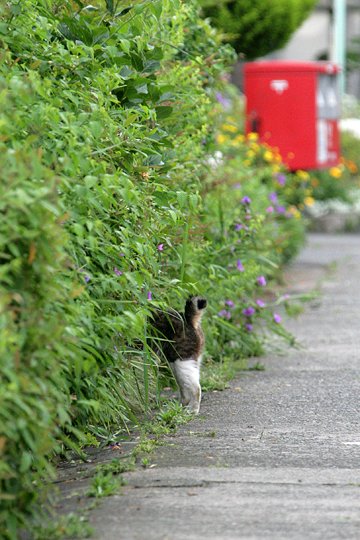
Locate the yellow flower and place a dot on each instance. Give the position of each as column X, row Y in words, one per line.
column 268, row 155
column 250, row 153
column 247, row 162
column 220, row 138
column 351, row 165
column 252, row 136
column 309, row 201
column 275, row 168
column 295, row 212
column 335, row 172
column 240, row 138
column 303, row 175
column 230, row 119
column 254, row 146
column 229, row 127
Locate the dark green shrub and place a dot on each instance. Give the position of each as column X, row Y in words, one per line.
column 34, row 401
column 257, row 27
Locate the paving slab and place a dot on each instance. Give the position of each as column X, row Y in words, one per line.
column 277, row 455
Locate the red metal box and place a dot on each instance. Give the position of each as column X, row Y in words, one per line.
column 294, row 106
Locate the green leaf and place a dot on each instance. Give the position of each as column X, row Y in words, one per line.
column 163, row 112
column 156, row 8
column 110, row 6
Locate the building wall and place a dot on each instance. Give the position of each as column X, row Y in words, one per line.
column 313, row 40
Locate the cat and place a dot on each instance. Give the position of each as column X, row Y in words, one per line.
column 180, row 339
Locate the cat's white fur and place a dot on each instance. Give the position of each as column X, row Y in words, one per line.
column 187, row 375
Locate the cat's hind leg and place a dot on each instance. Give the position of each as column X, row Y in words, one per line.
column 187, row 375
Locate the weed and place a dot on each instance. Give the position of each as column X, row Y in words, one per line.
column 70, row 526
column 145, row 462
column 116, row 466
column 146, row 446
column 210, row 434
column 257, row 367
column 88, row 439
column 217, row 377
column 104, row 484
column 294, row 310
column 173, row 415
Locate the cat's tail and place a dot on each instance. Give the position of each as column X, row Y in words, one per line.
column 194, row 309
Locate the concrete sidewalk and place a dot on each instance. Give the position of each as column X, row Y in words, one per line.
column 277, row 455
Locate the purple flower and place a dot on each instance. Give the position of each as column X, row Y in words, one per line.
column 240, row 266
column 237, row 185
column 238, row 226
column 249, row 311
column 261, row 280
column 281, row 178
column 280, row 209
column 269, row 209
column 224, row 314
column 246, row 200
column 260, row 303
column 160, row 247
column 273, row 197
column 225, row 102
column 121, row 254
column 117, row 271
column 249, row 327
column 149, row 296
column 229, row 303
column 87, row 278
column 277, row 318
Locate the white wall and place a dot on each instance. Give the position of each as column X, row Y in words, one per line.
column 314, row 38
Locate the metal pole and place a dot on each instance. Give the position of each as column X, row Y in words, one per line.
column 339, row 51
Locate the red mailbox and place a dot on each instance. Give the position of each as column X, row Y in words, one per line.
column 295, row 107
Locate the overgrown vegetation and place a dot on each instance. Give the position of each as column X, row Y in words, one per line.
column 109, row 207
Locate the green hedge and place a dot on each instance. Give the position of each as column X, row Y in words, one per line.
column 257, row 27
column 106, row 131
column 34, row 399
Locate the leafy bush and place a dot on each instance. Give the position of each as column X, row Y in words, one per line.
column 34, row 401
column 105, row 143
column 256, row 28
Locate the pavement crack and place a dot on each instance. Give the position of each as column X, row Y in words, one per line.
column 211, row 483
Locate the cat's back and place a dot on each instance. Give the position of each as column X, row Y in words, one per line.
column 167, row 323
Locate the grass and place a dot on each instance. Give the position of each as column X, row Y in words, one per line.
column 216, row 376
column 104, row 484
column 69, row 526
column 116, row 466
column 257, row 367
